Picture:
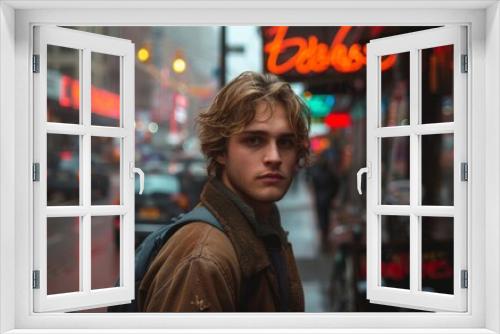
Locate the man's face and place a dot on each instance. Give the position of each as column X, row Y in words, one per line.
column 260, row 162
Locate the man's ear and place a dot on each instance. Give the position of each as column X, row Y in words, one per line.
column 221, row 159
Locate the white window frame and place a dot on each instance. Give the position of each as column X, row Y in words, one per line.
column 413, row 43
column 16, row 213
column 84, row 44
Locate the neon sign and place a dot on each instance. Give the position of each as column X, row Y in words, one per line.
column 339, row 120
column 320, row 105
column 103, row 102
column 313, row 56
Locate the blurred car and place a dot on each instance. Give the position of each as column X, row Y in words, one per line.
column 62, row 178
column 101, row 172
column 192, row 174
column 397, row 192
column 161, row 200
column 63, row 175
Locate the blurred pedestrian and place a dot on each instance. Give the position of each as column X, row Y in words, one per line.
column 325, row 183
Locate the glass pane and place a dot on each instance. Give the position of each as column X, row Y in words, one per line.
column 395, row 170
column 395, row 251
column 105, row 251
column 437, row 84
column 105, row 91
column 63, row 85
column 105, row 171
column 63, row 255
column 395, row 103
column 63, row 170
column 437, row 254
column 437, row 169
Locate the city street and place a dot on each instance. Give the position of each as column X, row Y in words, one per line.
column 297, row 216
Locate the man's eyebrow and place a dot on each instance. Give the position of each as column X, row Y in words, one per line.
column 265, row 133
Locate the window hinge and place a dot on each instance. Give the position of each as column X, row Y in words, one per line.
column 465, row 66
column 36, row 279
column 465, row 279
column 464, row 171
column 36, row 171
column 36, row 63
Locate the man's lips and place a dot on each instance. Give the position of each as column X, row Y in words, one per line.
column 271, row 176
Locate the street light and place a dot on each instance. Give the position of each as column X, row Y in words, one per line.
column 179, row 64
column 143, row 55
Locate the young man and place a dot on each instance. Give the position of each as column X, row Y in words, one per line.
column 255, row 137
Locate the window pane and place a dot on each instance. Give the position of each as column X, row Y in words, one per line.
column 437, row 84
column 105, row 171
column 63, row 170
column 105, row 91
column 63, row 255
column 395, row 170
column 63, row 85
column 437, row 254
column 395, row 251
column 437, row 169
column 395, row 106
column 105, row 251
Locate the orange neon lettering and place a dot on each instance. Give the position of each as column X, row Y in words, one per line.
column 313, row 56
column 278, row 45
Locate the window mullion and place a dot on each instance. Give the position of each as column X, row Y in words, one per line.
column 415, row 245
column 85, row 179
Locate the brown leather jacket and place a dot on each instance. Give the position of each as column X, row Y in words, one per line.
column 201, row 268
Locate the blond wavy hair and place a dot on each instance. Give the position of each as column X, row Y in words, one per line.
column 234, row 107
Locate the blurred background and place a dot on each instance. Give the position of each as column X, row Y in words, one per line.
column 178, row 71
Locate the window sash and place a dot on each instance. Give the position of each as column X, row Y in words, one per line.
column 414, row 297
column 84, row 43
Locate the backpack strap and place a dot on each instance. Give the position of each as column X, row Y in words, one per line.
column 201, row 214
column 148, row 249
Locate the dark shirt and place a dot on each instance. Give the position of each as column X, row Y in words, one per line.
column 272, row 234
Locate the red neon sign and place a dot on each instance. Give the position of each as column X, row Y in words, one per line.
column 317, row 57
column 104, row 103
column 339, row 120
column 67, row 89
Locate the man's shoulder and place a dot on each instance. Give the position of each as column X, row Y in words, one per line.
column 200, row 240
column 197, row 255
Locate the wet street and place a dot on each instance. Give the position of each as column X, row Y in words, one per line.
column 298, row 218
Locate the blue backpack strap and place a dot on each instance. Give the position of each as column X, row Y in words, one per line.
column 155, row 241
column 201, row 214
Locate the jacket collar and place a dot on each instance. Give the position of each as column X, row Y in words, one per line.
column 249, row 248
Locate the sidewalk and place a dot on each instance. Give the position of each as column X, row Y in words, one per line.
column 299, row 219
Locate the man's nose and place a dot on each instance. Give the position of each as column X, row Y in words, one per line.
column 272, row 154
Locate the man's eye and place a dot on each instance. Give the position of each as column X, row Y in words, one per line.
column 286, row 143
column 253, row 141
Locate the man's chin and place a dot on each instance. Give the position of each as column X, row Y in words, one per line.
column 270, row 196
